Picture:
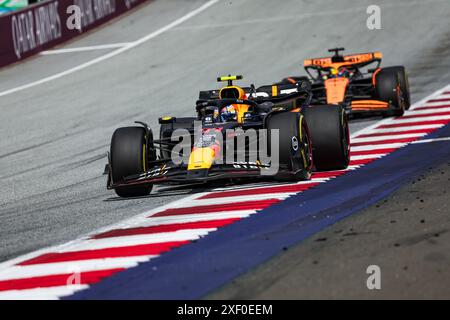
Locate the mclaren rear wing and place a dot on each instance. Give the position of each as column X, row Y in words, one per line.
column 359, row 60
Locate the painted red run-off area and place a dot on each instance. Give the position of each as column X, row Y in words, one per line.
column 56, row 280
column 433, row 107
column 437, row 114
column 382, row 134
column 127, row 251
column 370, row 152
column 328, row 174
column 165, row 228
column 247, row 205
column 256, row 191
column 439, row 100
column 361, row 162
column 409, row 124
column 371, row 143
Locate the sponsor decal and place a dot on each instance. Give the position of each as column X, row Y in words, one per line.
column 35, row 28
column 49, row 23
column 294, row 143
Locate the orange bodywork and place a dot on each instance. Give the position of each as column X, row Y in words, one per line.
column 374, row 76
column 336, row 88
column 348, row 60
column 365, row 105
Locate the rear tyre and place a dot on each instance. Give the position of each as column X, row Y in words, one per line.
column 129, row 156
column 388, row 88
column 330, row 136
column 404, row 84
column 295, row 152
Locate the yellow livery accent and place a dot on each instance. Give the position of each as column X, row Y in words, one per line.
column 201, row 158
column 274, row 91
column 233, row 92
column 302, row 150
column 229, row 78
column 241, row 109
column 144, row 147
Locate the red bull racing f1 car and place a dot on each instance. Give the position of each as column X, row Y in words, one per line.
column 270, row 132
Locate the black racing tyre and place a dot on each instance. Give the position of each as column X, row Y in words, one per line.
column 294, row 145
column 386, row 86
column 330, row 135
column 165, row 133
column 129, row 156
column 404, row 84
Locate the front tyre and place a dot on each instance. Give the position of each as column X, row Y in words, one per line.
column 330, row 136
column 295, row 154
column 129, row 156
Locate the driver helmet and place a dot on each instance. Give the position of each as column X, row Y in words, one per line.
column 333, row 73
column 228, row 113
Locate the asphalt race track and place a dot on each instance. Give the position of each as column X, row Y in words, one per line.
column 55, row 134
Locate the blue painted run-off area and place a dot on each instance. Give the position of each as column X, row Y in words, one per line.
column 193, row 270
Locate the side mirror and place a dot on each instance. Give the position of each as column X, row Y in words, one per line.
column 304, row 85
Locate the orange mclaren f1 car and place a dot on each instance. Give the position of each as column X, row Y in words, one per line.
column 357, row 83
column 193, row 150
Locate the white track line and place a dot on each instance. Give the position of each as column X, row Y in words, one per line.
column 389, row 137
column 431, row 140
column 113, row 53
column 418, row 119
column 70, row 267
column 408, row 128
column 436, row 103
column 133, row 240
column 236, row 199
column 51, row 293
column 377, row 146
column 89, row 48
column 159, row 221
column 424, row 111
column 186, row 218
column 265, row 185
column 367, row 156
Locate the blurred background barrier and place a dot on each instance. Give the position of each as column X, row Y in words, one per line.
column 27, row 30
column 11, row 5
